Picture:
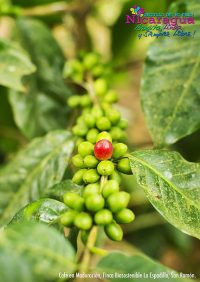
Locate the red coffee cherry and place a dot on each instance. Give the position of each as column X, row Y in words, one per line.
column 103, row 150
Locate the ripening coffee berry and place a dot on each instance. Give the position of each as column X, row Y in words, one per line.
column 110, row 187
column 114, row 231
column 80, row 130
column 104, row 135
column 85, row 148
column 103, row 150
column 111, row 97
column 118, row 201
column 91, row 176
column 74, row 201
column 100, row 86
column 113, row 116
column 91, row 189
column 85, row 101
column 78, row 176
column 116, row 176
column 103, row 123
column 90, row 161
column 95, row 203
column 120, row 150
column 117, row 134
column 105, row 168
column 103, row 217
column 90, row 60
column 124, row 216
column 77, row 161
column 83, row 221
column 67, row 219
column 124, row 166
column 89, row 120
column 74, row 101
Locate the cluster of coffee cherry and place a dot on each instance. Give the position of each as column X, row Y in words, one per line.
column 101, row 157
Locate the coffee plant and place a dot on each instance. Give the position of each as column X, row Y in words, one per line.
column 66, row 157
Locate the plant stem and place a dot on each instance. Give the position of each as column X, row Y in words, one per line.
column 87, row 254
column 89, row 85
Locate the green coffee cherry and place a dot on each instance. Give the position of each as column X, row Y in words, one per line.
column 104, row 135
column 83, row 221
column 97, row 70
column 117, row 134
column 123, row 124
column 110, row 187
column 92, row 135
column 103, row 123
column 113, row 115
column 111, row 97
column 116, row 176
column 78, row 176
column 74, row 201
column 94, row 203
column 100, row 86
column 124, row 216
column 105, row 168
column 74, row 70
column 67, row 219
column 91, row 189
column 77, row 161
column 103, row 217
column 91, row 176
column 89, row 120
column 90, row 60
column 114, row 231
column 74, row 101
column 120, row 150
column 97, row 111
column 80, row 130
column 124, row 166
column 90, row 161
column 118, row 201
column 85, row 148
column 85, row 101
column 80, row 121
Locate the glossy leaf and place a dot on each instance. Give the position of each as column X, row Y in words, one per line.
column 43, row 210
column 44, row 251
column 40, row 165
column 170, row 85
column 43, row 107
column 14, row 64
column 58, row 190
column 122, row 265
column 172, row 185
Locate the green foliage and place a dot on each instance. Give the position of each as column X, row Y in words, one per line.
column 124, row 265
column 43, row 210
column 170, row 88
column 40, row 165
column 172, row 186
column 15, row 63
column 43, row 108
column 34, row 252
column 31, row 3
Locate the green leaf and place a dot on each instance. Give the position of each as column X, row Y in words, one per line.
column 58, row 190
column 43, row 107
column 170, row 85
column 43, row 210
column 31, row 3
column 37, row 167
column 172, row 185
column 43, row 249
column 14, row 64
column 120, row 264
